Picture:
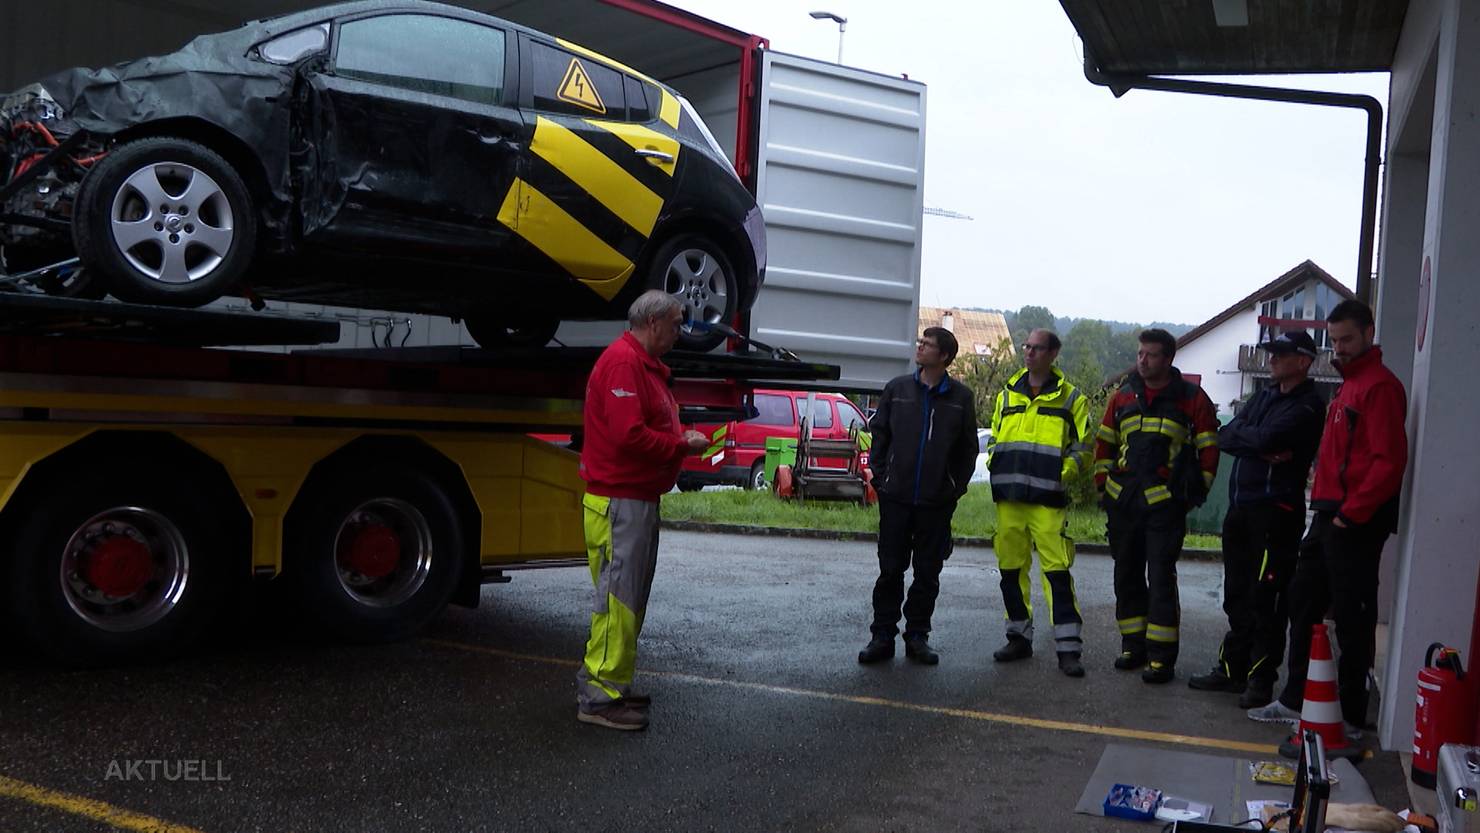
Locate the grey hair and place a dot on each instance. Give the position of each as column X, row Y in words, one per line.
column 650, row 304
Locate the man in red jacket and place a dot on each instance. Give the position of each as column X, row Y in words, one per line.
column 1359, row 470
column 633, row 448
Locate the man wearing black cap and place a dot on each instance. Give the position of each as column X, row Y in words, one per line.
column 1273, row 441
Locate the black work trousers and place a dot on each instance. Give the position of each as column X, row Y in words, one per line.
column 1260, row 546
column 1145, row 544
column 1336, row 569
column 909, row 534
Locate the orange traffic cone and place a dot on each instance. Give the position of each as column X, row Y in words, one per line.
column 1321, row 711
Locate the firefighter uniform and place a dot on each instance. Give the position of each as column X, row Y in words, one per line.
column 1040, row 443
column 1155, row 458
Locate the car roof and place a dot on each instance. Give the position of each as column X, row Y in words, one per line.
column 271, row 26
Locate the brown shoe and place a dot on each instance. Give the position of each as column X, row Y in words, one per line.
column 615, row 715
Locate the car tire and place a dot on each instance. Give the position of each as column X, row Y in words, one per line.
column 165, row 221
column 695, row 271
column 106, row 569
column 757, row 479
column 374, row 554
column 491, row 332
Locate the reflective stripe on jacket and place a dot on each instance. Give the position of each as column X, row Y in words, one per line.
column 1039, row 443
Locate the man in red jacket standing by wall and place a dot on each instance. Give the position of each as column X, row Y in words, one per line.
column 633, row 447
column 1359, row 470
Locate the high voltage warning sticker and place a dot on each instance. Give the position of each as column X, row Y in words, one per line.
column 577, row 88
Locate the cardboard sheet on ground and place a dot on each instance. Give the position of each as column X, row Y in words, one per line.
column 1222, row 781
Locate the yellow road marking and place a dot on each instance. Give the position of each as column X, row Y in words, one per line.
column 595, row 173
column 95, row 810
column 966, row 714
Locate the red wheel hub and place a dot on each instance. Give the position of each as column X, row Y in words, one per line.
column 373, row 551
column 118, row 565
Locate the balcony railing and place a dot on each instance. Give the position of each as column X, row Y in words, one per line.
column 1253, row 360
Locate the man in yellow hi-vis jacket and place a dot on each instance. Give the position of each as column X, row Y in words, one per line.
column 1040, row 443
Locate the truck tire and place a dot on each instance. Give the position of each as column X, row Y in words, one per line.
column 107, row 569
column 699, row 275
column 166, row 221
column 375, row 554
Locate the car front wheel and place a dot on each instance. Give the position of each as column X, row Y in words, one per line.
column 166, row 221
column 697, row 273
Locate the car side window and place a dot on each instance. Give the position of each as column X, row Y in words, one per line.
column 822, row 413
column 295, row 45
column 425, row 54
column 571, row 84
column 851, row 416
column 638, row 108
column 772, row 410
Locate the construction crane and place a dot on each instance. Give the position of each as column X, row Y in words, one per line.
column 947, row 213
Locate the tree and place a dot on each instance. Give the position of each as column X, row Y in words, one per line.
column 984, row 375
column 1028, row 319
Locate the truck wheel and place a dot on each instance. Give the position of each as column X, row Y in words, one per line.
column 375, row 554
column 696, row 272
column 757, row 476
column 166, row 221
column 491, row 331
column 108, row 569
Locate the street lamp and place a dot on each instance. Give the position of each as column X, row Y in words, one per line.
column 842, row 27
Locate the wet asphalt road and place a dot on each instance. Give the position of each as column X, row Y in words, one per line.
column 748, row 651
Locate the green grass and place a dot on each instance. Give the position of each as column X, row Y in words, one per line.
column 976, row 517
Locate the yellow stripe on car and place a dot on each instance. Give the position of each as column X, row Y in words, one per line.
column 575, row 47
column 668, row 113
column 643, row 138
column 596, row 174
column 561, row 237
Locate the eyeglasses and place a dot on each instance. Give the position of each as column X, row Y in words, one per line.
column 922, row 342
column 1035, row 348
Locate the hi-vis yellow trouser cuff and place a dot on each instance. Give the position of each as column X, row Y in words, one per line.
column 622, row 550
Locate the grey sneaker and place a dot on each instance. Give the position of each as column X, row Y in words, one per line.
column 1275, row 712
column 613, row 716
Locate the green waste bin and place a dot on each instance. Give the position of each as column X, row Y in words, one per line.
column 780, row 451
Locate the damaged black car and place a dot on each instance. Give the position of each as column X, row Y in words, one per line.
column 389, row 155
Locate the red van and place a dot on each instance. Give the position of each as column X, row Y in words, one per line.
column 740, row 461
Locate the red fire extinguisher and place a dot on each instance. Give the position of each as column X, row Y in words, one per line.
column 1442, row 714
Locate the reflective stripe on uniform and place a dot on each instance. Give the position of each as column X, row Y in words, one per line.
column 1131, row 625
column 1108, row 434
column 1208, row 478
column 1206, row 439
column 1157, row 494
column 1161, row 633
column 1028, row 480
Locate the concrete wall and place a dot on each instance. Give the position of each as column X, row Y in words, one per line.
column 1214, row 356
column 1431, row 336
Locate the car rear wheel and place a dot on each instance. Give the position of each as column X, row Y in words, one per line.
column 166, row 221
column 757, row 479
column 491, row 330
column 697, row 273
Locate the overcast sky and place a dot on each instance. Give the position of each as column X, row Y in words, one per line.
column 1154, row 206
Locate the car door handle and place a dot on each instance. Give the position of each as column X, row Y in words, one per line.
column 653, row 155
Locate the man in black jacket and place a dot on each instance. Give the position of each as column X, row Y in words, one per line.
column 1273, row 441
column 924, row 450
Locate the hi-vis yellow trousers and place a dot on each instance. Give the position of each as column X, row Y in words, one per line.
column 622, row 548
column 1020, row 528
